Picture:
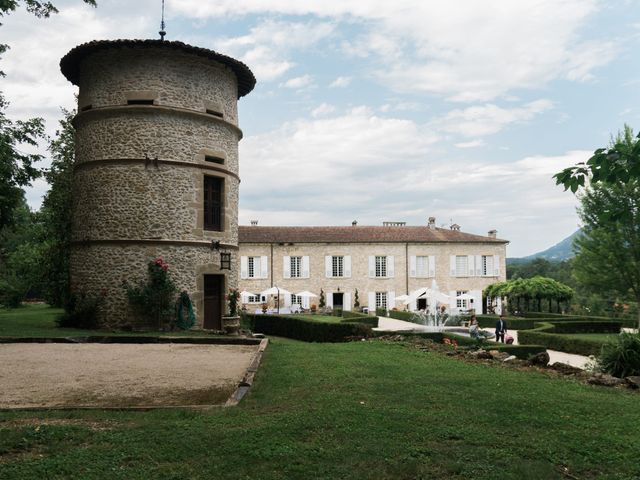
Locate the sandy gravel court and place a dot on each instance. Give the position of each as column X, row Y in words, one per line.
column 119, row 375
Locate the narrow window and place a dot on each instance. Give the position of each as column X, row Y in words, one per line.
column 296, row 264
column 213, row 159
column 215, row 113
column 213, row 204
column 337, row 266
column 381, row 266
column 487, row 265
column 139, row 102
column 86, row 107
column 381, row 300
column 253, row 266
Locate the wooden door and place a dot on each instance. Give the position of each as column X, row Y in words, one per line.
column 213, row 301
column 338, row 300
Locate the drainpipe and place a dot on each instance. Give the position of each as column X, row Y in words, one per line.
column 271, row 269
column 406, row 268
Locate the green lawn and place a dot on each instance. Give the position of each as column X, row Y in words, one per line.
column 596, row 337
column 40, row 321
column 361, row 410
column 319, row 318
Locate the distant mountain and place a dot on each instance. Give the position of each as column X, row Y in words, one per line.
column 560, row 251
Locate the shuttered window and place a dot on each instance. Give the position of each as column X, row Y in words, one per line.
column 213, row 204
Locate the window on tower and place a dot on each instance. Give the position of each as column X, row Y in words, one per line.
column 213, row 203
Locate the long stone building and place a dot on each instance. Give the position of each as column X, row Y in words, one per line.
column 156, row 171
column 380, row 262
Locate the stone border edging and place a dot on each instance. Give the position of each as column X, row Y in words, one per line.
column 135, row 339
column 247, row 380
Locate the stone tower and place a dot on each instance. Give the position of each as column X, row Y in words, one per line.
column 156, row 171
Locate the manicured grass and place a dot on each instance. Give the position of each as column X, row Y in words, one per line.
column 360, row 410
column 40, row 321
column 319, row 318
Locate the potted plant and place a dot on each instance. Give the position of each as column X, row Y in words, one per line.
column 231, row 322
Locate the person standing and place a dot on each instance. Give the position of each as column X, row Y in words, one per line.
column 501, row 329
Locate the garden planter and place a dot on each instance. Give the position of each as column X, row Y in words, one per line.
column 231, row 325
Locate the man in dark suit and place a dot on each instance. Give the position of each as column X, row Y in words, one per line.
column 501, row 329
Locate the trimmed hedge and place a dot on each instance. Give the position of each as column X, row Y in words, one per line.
column 520, row 351
column 561, row 317
column 306, row 329
column 513, row 323
column 357, row 317
column 402, row 315
column 549, row 335
column 381, row 312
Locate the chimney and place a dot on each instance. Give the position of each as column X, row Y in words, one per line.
column 493, row 233
column 254, row 223
column 354, row 223
column 455, row 227
column 432, row 223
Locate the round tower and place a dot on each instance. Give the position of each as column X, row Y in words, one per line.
column 156, row 172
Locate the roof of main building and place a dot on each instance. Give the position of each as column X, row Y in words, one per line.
column 358, row 234
column 71, row 61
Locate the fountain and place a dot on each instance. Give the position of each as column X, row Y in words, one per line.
column 434, row 318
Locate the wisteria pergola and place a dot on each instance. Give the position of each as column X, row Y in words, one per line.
column 520, row 292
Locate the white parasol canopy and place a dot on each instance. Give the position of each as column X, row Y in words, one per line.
column 244, row 293
column 401, row 298
column 465, row 296
column 275, row 291
column 306, row 293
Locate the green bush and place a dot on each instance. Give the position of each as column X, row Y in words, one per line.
column 381, row 312
column 545, row 334
column 154, row 299
column 11, row 295
column 306, row 329
column 621, row 358
column 401, row 315
column 558, row 317
column 81, row 311
column 513, row 323
column 349, row 316
column 336, row 312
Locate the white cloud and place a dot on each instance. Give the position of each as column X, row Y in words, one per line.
column 470, row 144
column 340, row 82
column 489, row 119
column 268, row 47
column 466, row 50
column 322, row 110
column 299, row 82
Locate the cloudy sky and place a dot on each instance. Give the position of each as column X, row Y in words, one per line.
column 373, row 110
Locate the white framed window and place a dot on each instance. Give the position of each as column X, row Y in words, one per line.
column 381, row 267
column 296, row 267
column 462, row 266
column 381, row 299
column 253, row 265
column 337, row 266
column 253, row 299
column 486, row 263
column 296, row 299
column 460, row 302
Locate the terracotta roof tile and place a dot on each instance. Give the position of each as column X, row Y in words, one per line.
column 71, row 61
column 357, row 234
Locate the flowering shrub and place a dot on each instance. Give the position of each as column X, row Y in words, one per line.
column 233, row 297
column 154, row 300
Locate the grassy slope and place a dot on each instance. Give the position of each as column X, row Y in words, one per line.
column 363, row 410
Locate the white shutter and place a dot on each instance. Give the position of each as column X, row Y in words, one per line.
column 478, row 265
column 244, row 298
column 346, row 301
column 244, row 267
column 412, row 266
column 305, row 302
column 347, row 266
column 452, row 302
column 287, row 300
column 452, row 263
column 498, row 308
column 496, row 265
column 305, row 267
column 264, row 268
column 286, row 267
column 391, row 300
column 413, row 306
column 372, row 266
column 327, row 266
column 372, row 301
column 477, row 301
column 471, row 265
column 390, row 266
column 329, row 299
column 432, row 265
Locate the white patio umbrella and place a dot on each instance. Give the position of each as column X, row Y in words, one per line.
column 401, row 298
column 244, row 293
column 306, row 293
column 276, row 291
column 465, row 296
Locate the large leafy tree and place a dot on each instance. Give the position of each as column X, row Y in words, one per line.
column 608, row 254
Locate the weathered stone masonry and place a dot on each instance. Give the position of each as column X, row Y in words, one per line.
column 154, row 118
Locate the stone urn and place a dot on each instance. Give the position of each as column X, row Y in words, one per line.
column 231, row 325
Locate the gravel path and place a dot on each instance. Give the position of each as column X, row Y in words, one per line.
column 119, row 375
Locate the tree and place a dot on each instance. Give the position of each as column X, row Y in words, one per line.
column 619, row 163
column 56, row 208
column 608, row 254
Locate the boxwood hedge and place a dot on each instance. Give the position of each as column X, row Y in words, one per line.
column 349, row 316
column 307, row 330
column 551, row 336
